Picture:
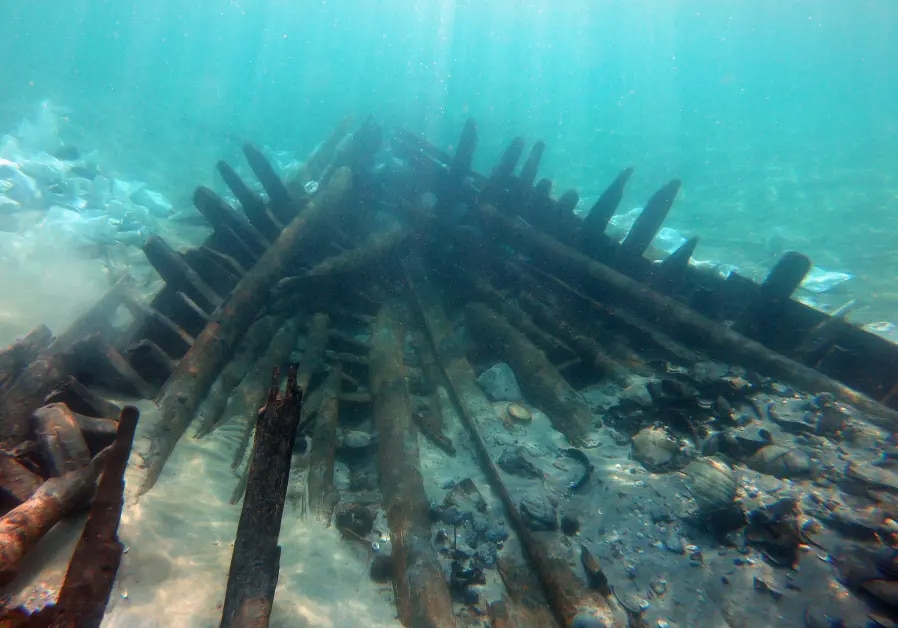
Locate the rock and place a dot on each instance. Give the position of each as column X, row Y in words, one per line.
column 486, row 554
column 775, row 531
column 782, row 462
column 539, row 513
column 637, row 395
column 156, row 202
column 886, row 561
column 674, row 542
column 595, row 577
column 654, row 447
column 515, row 461
column 496, row 533
column 570, row 524
column 354, row 439
column 381, row 568
column 499, row 383
column 353, row 521
column 871, row 478
column 885, row 591
column 466, row 496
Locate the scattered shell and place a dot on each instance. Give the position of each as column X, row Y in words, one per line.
column 519, row 412
column 712, row 483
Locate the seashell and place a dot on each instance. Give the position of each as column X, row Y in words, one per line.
column 519, row 412
column 712, row 483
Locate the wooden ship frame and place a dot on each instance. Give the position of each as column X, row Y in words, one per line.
column 561, row 301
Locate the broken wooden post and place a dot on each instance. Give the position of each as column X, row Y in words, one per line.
column 253, row 574
column 23, row 526
column 567, row 595
column 542, row 382
column 91, row 573
column 214, row 346
column 678, row 319
column 422, row 593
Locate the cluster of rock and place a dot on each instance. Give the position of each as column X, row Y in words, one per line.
column 66, row 195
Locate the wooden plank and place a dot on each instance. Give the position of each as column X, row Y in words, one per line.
column 421, row 590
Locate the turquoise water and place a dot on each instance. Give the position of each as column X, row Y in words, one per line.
column 779, row 117
column 734, row 97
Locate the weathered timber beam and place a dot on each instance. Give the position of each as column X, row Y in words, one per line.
column 374, row 248
column 647, row 224
column 91, row 573
column 324, row 442
column 421, row 590
column 618, row 321
column 253, row 575
column 22, row 527
column 313, row 354
column 679, row 320
column 584, row 346
column 98, row 362
column 247, row 399
column 148, row 359
column 210, row 351
column 542, row 382
column 173, row 339
column 217, row 276
column 221, row 215
column 282, row 205
column 18, row 355
column 48, row 370
column 250, row 202
column 352, row 341
column 592, row 231
column 566, row 594
column 432, row 422
column 778, row 286
column 17, row 483
column 232, row 374
column 98, row 433
column 515, row 315
column 176, row 272
column 81, row 399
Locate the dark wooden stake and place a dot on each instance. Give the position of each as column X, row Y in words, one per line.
column 91, row 573
column 255, row 563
